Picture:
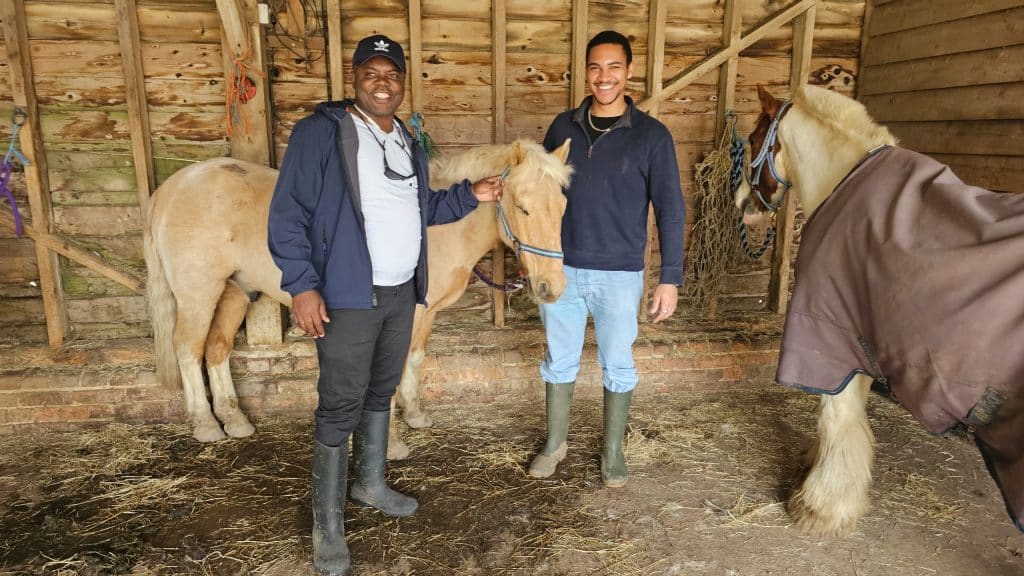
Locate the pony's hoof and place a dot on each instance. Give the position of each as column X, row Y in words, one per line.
column 239, row 427
column 397, row 449
column 821, row 523
column 209, row 433
column 419, row 420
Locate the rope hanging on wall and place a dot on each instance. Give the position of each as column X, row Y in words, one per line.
column 714, row 240
column 17, row 120
column 241, row 88
column 422, row 137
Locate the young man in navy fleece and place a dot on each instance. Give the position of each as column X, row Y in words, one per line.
column 627, row 163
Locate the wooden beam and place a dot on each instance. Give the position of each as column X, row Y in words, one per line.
column 23, row 92
column 691, row 74
column 732, row 28
column 655, row 70
column 578, row 71
column 138, row 109
column 233, row 22
column 67, row 248
column 865, row 33
column 778, row 287
column 498, row 43
column 296, row 18
column 335, row 55
column 416, row 55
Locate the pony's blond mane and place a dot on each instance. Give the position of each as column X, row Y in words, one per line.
column 489, row 160
column 844, row 115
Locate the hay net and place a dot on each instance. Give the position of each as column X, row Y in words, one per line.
column 715, row 239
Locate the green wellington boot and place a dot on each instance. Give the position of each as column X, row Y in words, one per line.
column 559, row 401
column 330, row 468
column 369, row 452
column 613, row 461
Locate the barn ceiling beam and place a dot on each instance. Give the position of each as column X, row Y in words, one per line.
column 72, row 251
column 135, row 96
column 800, row 67
column 19, row 61
column 499, row 40
column 693, row 73
column 335, row 56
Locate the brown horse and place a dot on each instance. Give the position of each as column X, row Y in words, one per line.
column 206, row 251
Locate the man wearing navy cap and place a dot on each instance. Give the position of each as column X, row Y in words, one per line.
column 347, row 228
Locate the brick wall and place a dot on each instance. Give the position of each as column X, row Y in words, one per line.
column 93, row 383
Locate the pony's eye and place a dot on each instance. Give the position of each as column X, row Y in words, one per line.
column 523, row 210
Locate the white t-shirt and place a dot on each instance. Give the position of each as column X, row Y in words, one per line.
column 391, row 208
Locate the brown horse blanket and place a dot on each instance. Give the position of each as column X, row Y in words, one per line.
column 909, row 275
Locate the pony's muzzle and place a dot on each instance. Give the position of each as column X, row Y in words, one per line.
column 546, row 293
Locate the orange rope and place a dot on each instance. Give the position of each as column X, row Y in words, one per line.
column 238, row 92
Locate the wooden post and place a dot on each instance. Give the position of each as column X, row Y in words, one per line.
column 416, row 55
column 865, row 34
column 778, row 287
column 578, row 72
column 655, row 71
column 731, row 30
column 263, row 320
column 12, row 12
column 138, row 109
column 335, row 55
column 498, row 43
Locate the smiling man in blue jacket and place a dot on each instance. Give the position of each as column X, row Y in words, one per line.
column 347, row 228
column 629, row 163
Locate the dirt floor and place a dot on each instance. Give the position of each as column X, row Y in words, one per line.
column 709, row 472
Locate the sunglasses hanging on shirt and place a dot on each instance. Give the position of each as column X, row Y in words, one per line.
column 389, row 172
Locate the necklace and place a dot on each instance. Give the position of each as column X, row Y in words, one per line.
column 590, row 121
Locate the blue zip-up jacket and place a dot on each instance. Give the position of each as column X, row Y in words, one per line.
column 615, row 178
column 316, row 231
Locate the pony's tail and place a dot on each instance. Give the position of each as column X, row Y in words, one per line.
column 162, row 309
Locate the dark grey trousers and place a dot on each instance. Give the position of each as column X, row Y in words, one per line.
column 362, row 354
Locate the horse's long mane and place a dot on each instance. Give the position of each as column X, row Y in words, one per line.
column 847, row 117
column 482, row 161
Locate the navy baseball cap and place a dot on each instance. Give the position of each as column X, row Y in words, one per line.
column 379, row 45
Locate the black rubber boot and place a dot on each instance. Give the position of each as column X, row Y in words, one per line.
column 369, row 451
column 613, row 460
column 558, row 401
column 330, row 468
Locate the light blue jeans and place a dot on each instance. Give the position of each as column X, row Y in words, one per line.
column 613, row 299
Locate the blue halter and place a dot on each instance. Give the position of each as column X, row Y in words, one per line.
column 767, row 156
column 519, row 246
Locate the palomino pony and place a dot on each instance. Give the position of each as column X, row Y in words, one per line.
column 207, row 255
column 905, row 276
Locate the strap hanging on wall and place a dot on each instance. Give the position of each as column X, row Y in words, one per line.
column 17, row 120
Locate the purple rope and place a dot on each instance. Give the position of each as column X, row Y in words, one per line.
column 5, row 177
column 510, row 286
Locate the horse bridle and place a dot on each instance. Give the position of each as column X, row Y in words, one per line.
column 519, row 246
column 765, row 156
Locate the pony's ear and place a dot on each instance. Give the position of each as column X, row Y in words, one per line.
column 768, row 102
column 562, row 152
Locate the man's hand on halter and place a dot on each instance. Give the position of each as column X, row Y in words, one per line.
column 488, row 189
column 310, row 312
column 663, row 303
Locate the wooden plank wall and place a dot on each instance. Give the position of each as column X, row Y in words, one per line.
column 947, row 78
column 81, row 89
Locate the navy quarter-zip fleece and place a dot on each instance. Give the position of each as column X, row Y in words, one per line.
column 316, row 232
column 616, row 176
